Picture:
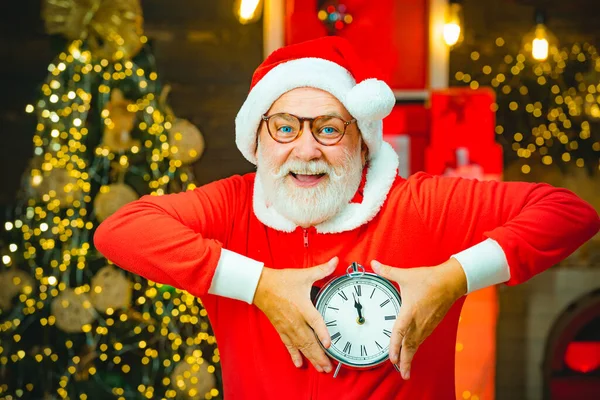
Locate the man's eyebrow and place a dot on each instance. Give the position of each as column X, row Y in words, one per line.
column 324, row 114
column 334, row 114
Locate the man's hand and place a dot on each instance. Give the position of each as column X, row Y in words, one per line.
column 427, row 295
column 283, row 295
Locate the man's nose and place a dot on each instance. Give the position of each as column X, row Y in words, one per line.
column 306, row 147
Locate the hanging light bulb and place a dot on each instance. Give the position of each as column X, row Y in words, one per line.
column 453, row 26
column 540, row 45
column 248, row 11
column 539, row 42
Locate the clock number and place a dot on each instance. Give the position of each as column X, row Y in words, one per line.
column 343, row 295
column 378, row 345
column 384, row 303
column 331, row 323
column 363, row 350
column 336, row 337
column 333, row 308
column 347, row 347
column 372, row 293
column 358, row 290
column 390, row 317
column 387, row 333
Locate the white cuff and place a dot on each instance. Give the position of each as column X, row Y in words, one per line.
column 484, row 264
column 236, row 276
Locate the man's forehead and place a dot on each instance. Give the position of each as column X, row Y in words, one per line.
column 309, row 102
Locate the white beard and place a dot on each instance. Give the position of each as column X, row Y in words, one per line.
column 313, row 205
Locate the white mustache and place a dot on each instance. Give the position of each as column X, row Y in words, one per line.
column 317, row 167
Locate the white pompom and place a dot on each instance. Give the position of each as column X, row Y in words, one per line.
column 370, row 100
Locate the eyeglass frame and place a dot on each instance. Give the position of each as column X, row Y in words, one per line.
column 266, row 118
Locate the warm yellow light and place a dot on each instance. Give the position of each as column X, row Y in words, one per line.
column 540, row 43
column 451, row 33
column 539, row 49
column 452, row 30
column 248, row 10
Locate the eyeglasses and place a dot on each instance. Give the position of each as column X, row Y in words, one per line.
column 326, row 129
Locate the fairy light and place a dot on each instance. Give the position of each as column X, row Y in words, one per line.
column 564, row 127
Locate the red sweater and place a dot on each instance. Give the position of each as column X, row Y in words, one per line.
column 177, row 240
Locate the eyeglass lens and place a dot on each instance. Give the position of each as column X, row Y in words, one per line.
column 286, row 127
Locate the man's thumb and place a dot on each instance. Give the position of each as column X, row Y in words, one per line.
column 326, row 269
column 383, row 270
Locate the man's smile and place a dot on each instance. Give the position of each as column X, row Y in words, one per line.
column 307, row 180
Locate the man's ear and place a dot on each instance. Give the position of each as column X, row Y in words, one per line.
column 364, row 152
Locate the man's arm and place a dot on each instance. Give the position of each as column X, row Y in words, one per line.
column 510, row 232
column 535, row 225
column 178, row 240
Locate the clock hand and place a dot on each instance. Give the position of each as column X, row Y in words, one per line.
column 358, row 307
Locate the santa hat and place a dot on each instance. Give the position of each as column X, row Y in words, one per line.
column 328, row 63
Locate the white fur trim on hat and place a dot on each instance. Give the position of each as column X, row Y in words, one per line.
column 380, row 176
column 369, row 101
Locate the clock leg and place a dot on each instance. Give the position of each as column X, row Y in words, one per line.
column 337, row 370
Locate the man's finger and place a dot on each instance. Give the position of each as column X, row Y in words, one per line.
column 294, row 353
column 323, row 270
column 409, row 348
column 316, row 322
column 314, row 353
column 399, row 332
column 383, row 270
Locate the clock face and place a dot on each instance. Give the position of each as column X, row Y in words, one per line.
column 359, row 311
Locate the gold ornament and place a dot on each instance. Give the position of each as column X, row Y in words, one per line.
column 59, row 183
column 110, row 289
column 191, row 378
column 111, row 198
column 112, row 28
column 72, row 311
column 186, row 138
column 119, row 123
column 12, row 282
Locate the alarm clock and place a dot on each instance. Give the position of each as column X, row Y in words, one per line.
column 359, row 309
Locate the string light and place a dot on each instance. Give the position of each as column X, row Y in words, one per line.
column 540, row 117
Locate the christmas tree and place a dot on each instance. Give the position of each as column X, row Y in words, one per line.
column 72, row 325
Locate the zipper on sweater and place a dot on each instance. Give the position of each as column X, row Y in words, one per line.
column 311, row 372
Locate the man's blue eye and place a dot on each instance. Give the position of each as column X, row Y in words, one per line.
column 328, row 130
column 286, row 129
